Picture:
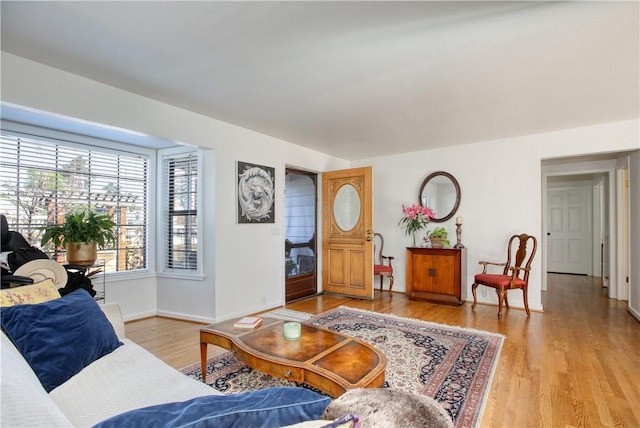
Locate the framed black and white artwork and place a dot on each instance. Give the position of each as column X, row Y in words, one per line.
column 256, row 193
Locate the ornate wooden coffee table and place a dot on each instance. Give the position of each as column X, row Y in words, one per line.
column 329, row 361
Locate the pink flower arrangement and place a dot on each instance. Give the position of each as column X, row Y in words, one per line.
column 416, row 217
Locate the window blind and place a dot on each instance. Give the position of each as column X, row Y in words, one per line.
column 180, row 202
column 42, row 180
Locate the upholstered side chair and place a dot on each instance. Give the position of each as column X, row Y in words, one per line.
column 382, row 265
column 515, row 274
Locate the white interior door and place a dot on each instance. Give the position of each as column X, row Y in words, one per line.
column 569, row 230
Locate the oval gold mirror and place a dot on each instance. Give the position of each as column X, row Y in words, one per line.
column 440, row 191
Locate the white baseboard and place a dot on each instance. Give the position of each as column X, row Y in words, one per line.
column 139, row 316
column 185, row 317
column 634, row 313
column 195, row 318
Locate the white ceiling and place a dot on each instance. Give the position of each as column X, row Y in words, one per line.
column 353, row 79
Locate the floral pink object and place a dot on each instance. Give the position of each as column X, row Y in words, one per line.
column 416, row 217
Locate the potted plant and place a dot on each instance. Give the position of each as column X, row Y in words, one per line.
column 81, row 235
column 438, row 237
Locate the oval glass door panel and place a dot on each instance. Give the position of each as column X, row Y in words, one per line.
column 346, row 207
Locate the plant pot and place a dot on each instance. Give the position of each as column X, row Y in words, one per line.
column 82, row 253
column 437, row 242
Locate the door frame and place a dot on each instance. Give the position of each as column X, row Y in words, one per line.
column 317, row 248
column 607, row 167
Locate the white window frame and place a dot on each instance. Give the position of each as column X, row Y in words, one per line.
column 83, row 141
column 163, row 244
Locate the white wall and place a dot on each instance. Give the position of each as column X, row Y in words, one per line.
column 244, row 267
column 136, row 294
column 501, row 184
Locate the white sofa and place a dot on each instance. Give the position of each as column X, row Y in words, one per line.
column 128, row 378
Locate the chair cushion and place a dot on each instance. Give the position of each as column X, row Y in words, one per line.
column 497, row 281
column 60, row 337
column 380, row 269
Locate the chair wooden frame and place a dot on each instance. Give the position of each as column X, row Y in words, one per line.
column 513, row 275
column 380, row 268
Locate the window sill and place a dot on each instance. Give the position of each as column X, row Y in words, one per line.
column 127, row 276
column 196, row 276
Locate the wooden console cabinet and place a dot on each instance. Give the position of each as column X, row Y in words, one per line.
column 436, row 274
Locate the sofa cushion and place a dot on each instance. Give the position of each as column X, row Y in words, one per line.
column 60, row 337
column 24, row 401
column 128, row 378
column 39, row 292
column 270, row 407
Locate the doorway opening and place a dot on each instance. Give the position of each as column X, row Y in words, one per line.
column 576, row 221
column 300, row 232
column 580, row 219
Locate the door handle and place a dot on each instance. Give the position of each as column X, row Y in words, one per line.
column 369, row 232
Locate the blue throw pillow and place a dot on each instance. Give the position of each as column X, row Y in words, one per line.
column 60, row 337
column 270, row 407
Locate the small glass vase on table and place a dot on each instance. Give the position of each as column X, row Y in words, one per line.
column 415, row 218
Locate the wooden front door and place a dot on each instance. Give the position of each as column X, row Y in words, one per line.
column 347, row 231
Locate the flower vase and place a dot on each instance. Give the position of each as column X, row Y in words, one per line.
column 413, row 235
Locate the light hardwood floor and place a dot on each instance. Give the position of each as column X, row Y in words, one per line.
column 575, row 365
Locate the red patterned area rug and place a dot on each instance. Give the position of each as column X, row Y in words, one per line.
column 451, row 364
